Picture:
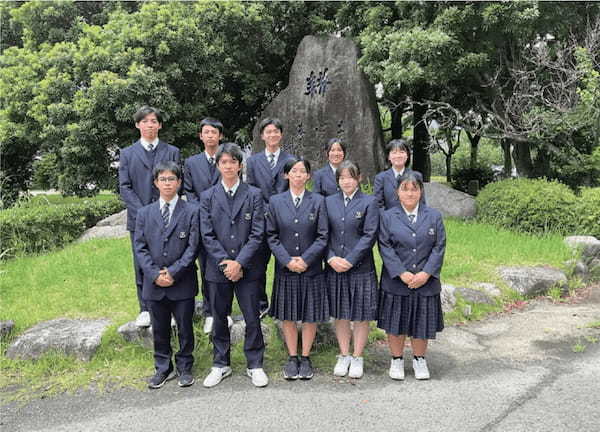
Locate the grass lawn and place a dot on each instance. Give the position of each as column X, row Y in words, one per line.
column 95, row 279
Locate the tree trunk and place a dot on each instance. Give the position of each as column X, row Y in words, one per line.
column 449, row 168
column 541, row 166
column 474, row 140
column 421, row 161
column 396, row 123
column 522, row 156
column 505, row 143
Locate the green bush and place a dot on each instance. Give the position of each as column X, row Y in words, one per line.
column 588, row 210
column 528, row 205
column 36, row 229
column 462, row 176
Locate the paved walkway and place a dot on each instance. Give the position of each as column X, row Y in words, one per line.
column 514, row 372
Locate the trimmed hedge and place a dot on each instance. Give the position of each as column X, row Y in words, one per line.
column 462, row 176
column 588, row 210
column 36, row 229
column 530, row 205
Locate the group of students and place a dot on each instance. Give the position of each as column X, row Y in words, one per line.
column 321, row 241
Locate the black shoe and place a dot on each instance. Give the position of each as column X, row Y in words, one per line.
column 306, row 371
column 185, row 379
column 290, row 370
column 160, row 378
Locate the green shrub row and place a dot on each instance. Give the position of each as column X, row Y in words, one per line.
column 539, row 206
column 36, row 229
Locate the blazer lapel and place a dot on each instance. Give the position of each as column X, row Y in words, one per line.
column 142, row 154
column 289, row 201
column 239, row 198
column 281, row 160
column 305, row 204
column 161, row 151
column 331, row 175
column 354, row 201
column 175, row 216
column 158, row 220
column 264, row 164
column 222, row 199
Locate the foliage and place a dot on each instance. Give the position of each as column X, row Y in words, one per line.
column 45, row 172
column 588, row 210
column 534, row 206
column 462, row 176
column 33, row 229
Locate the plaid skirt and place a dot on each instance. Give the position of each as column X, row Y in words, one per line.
column 352, row 296
column 420, row 317
column 298, row 297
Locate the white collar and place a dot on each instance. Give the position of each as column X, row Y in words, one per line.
column 301, row 196
column 350, row 196
column 334, row 169
column 267, row 153
column 397, row 173
column 234, row 188
column 414, row 212
column 209, row 156
column 146, row 144
column 172, row 203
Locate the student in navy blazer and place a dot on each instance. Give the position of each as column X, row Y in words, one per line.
column 324, row 180
column 264, row 170
column 136, row 185
column 297, row 235
column 412, row 242
column 232, row 227
column 386, row 182
column 166, row 241
column 351, row 276
column 201, row 173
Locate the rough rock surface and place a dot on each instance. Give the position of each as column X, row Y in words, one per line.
column 532, row 280
column 6, row 327
column 475, row 296
column 589, row 245
column 133, row 333
column 448, row 297
column 450, row 202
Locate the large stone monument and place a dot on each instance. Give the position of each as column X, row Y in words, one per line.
column 328, row 96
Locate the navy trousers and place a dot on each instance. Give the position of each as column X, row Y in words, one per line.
column 160, row 312
column 139, row 277
column 247, row 294
column 206, row 311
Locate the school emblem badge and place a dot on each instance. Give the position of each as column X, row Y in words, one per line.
column 247, row 216
column 431, row 231
column 182, row 235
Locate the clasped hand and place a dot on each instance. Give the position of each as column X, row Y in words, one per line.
column 233, row 270
column 164, row 279
column 414, row 281
column 297, row 265
column 340, row 265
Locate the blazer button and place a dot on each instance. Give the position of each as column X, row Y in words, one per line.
column 232, row 250
column 297, row 247
column 414, row 250
column 414, row 265
column 295, row 220
column 343, row 219
column 232, row 236
column 342, row 246
column 414, row 235
column 296, row 234
column 232, row 222
column 342, row 232
column 164, row 254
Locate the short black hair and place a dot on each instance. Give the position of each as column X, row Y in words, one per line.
column 412, row 178
column 333, row 141
column 398, row 144
column 353, row 170
column 290, row 164
column 232, row 149
column 163, row 166
column 210, row 121
column 270, row 121
column 141, row 113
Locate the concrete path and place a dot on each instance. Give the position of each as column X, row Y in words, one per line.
column 514, row 372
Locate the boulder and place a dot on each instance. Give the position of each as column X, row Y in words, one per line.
column 489, row 288
column 530, row 281
column 77, row 337
column 450, row 202
column 6, row 327
column 589, row 245
column 133, row 333
column 114, row 220
column 116, row 231
column 448, row 297
column 238, row 331
column 475, row 296
column 198, row 309
column 328, row 96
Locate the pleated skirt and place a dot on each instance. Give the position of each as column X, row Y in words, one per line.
column 298, row 297
column 419, row 317
column 352, row 296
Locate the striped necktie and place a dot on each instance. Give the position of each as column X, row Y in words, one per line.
column 411, row 218
column 272, row 160
column 347, row 201
column 297, row 202
column 165, row 214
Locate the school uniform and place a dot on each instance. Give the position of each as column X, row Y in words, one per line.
column 270, row 181
column 353, row 227
column 324, row 181
column 298, row 231
column 136, row 187
column 200, row 173
column 386, row 186
column 233, row 228
column 414, row 247
column 172, row 245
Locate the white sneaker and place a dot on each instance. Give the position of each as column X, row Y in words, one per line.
column 342, row 365
column 143, row 319
column 216, row 375
column 259, row 377
column 421, row 369
column 356, row 367
column 229, row 321
column 397, row 369
column 208, row 325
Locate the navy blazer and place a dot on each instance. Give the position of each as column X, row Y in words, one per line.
column 411, row 247
column 259, row 174
column 232, row 232
column 298, row 231
column 353, row 229
column 197, row 177
column 386, row 186
column 136, row 185
column 324, row 181
column 173, row 247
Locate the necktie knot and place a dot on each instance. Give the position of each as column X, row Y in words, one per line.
column 165, row 214
column 347, row 201
column 150, row 147
column 230, row 193
column 411, row 218
column 211, row 160
column 297, row 202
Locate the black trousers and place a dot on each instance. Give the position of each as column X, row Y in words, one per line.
column 247, row 294
column 262, row 259
column 206, row 309
column 160, row 312
column 139, row 276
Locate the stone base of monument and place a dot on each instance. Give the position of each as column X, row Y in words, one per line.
column 77, row 337
column 133, row 333
column 531, row 281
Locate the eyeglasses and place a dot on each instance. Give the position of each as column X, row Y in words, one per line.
column 167, row 179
